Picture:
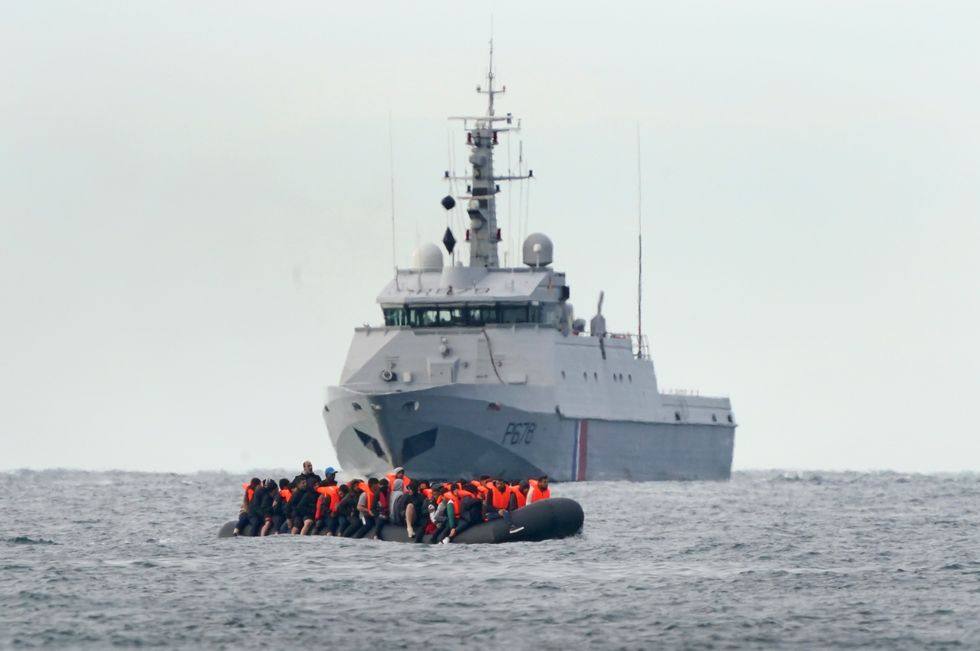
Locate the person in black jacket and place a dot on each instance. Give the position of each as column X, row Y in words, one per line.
column 303, row 506
column 346, row 516
column 312, row 479
column 261, row 509
column 406, row 509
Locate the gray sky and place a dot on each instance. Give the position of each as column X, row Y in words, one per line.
column 194, row 212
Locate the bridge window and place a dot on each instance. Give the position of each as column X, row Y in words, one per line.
column 395, row 316
column 448, row 316
column 513, row 314
column 481, row 315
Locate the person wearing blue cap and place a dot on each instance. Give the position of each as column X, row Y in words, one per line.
column 329, row 472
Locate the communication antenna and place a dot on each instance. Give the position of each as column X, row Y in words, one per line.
column 391, row 174
column 639, row 244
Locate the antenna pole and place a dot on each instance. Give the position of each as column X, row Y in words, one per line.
column 639, row 242
column 391, row 174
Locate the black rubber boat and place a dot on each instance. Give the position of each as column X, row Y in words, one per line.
column 557, row 517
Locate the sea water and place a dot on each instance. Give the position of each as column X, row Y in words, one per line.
column 766, row 560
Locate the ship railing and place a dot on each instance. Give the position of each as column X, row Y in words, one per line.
column 638, row 343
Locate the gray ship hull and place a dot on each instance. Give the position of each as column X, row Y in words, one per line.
column 464, row 431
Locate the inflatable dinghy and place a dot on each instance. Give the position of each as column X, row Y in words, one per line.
column 557, row 517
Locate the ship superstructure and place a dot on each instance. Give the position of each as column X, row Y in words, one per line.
column 480, row 369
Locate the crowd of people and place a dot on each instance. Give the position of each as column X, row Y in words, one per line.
column 434, row 512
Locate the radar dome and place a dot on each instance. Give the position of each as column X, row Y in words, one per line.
column 538, row 250
column 428, row 256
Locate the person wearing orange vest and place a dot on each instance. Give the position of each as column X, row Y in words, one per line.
column 539, row 490
column 280, row 503
column 469, row 509
column 243, row 520
column 397, row 473
column 345, row 508
column 519, row 490
column 446, row 514
column 357, row 488
column 367, row 507
column 326, row 507
column 500, row 501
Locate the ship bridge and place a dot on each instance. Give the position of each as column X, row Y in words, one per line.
column 475, row 297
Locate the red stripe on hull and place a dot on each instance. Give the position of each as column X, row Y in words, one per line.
column 583, row 450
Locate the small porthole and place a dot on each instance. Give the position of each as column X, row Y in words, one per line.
column 630, row 376
column 595, row 374
column 563, row 375
column 714, row 418
column 677, row 415
column 585, row 376
column 411, row 405
column 326, row 408
column 356, row 406
column 730, row 420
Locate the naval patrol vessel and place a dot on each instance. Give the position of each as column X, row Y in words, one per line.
column 481, row 369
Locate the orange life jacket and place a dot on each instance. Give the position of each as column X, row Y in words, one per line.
column 451, row 498
column 391, row 480
column 320, row 502
column 370, row 496
column 461, row 493
column 249, row 492
column 535, row 493
column 500, row 499
column 333, row 492
column 519, row 496
column 427, row 492
column 480, row 489
column 286, row 494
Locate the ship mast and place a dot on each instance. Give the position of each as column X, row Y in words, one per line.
column 481, row 204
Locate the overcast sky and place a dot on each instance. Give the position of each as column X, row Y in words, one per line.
column 194, row 212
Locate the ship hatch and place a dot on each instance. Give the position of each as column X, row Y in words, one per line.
column 415, row 445
column 370, row 443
